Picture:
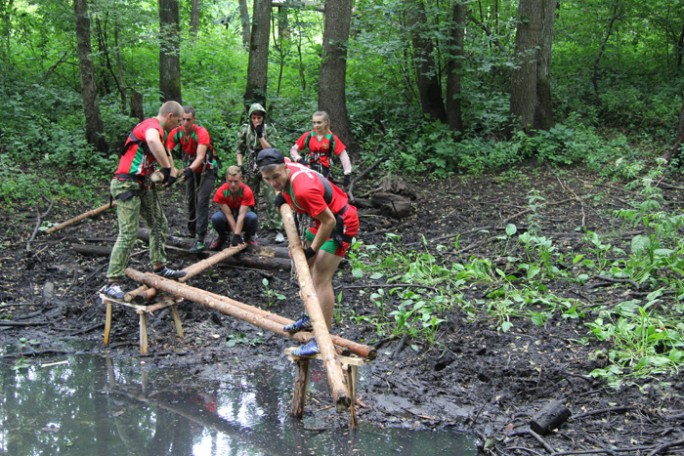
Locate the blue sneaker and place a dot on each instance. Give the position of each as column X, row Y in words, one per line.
column 113, row 290
column 303, row 324
column 308, row 349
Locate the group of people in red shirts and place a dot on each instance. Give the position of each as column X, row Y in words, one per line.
column 301, row 181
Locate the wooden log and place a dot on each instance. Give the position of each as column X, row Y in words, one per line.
column 299, row 392
column 356, row 348
column 194, row 269
column 392, row 205
column 331, row 362
column 78, row 218
column 253, row 315
column 549, row 418
column 184, row 242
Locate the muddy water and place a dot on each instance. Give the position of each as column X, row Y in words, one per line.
column 89, row 405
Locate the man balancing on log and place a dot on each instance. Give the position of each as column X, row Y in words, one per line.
column 336, row 222
column 135, row 196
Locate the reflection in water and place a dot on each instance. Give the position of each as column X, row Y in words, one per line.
column 92, row 406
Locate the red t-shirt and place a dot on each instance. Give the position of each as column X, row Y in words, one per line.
column 320, row 150
column 244, row 197
column 305, row 192
column 136, row 160
column 189, row 141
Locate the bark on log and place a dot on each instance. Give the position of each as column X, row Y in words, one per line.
column 392, row 205
column 78, row 218
column 265, row 251
column 331, row 361
column 549, row 418
column 245, row 260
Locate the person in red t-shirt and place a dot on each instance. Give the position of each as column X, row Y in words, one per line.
column 135, row 197
column 200, row 172
column 316, row 148
column 236, row 217
column 336, row 222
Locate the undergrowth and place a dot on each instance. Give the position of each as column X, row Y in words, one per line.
column 414, row 292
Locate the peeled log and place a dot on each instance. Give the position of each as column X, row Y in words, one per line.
column 332, row 364
column 78, row 218
column 550, row 417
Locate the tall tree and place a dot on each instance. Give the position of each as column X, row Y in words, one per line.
column 257, row 68
column 455, row 64
column 244, row 22
column 429, row 87
column 530, row 83
column 194, row 17
column 543, row 114
column 94, row 125
column 169, row 51
column 332, row 96
column 524, row 76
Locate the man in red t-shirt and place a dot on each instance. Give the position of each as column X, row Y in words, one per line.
column 200, row 172
column 236, row 217
column 135, row 197
column 336, row 222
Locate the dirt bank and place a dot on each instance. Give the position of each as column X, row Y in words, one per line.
column 475, row 377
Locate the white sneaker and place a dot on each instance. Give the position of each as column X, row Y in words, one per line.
column 279, row 238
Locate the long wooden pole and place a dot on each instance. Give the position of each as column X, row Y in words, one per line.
column 194, row 269
column 78, row 218
column 332, row 364
column 253, row 314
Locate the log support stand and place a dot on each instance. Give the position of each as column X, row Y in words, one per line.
column 350, row 366
column 143, row 312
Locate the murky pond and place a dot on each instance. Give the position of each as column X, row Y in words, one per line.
column 90, row 405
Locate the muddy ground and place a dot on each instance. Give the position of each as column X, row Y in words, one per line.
column 475, row 378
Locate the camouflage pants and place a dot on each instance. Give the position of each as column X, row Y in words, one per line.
column 128, row 214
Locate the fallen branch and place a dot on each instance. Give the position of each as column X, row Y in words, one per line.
column 78, row 218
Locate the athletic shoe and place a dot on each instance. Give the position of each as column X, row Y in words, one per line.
column 303, row 324
column 169, row 273
column 113, row 290
column 216, row 244
column 279, row 238
column 198, row 247
column 308, row 349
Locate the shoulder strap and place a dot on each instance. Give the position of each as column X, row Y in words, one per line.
column 327, row 187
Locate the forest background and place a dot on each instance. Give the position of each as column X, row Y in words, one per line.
column 430, row 88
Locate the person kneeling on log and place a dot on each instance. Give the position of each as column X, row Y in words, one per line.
column 336, row 222
column 236, row 217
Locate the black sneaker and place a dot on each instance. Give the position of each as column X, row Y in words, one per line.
column 303, row 324
column 113, row 290
column 169, row 273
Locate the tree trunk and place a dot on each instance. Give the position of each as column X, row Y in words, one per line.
column 94, row 125
column 680, row 50
column 543, row 117
column 455, row 65
column 524, row 77
column 244, row 20
column 257, row 69
column 616, row 10
column 169, row 51
column 119, row 64
column 675, row 151
column 332, row 96
column 194, row 17
column 427, row 80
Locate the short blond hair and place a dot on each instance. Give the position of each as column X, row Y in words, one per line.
column 234, row 171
